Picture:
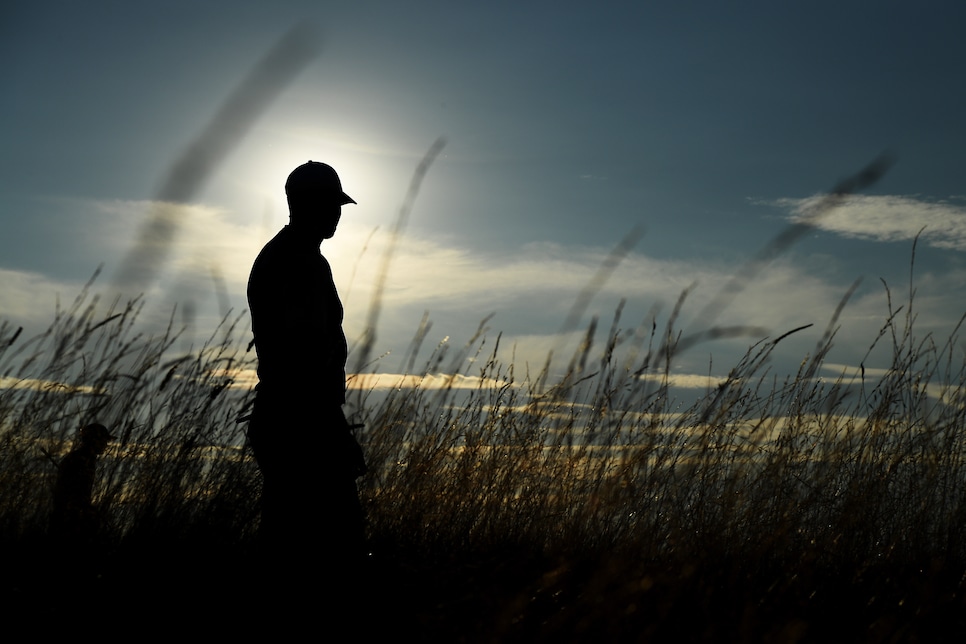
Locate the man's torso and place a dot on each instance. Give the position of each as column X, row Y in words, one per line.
column 297, row 319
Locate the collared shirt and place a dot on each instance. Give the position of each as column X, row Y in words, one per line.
column 297, row 320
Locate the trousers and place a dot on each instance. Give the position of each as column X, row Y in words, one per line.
column 311, row 515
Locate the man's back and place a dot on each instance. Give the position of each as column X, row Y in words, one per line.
column 297, row 319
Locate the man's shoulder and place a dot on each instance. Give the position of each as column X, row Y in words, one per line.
column 285, row 259
column 269, row 267
column 278, row 252
column 279, row 245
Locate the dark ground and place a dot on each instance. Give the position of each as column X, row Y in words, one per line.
column 502, row 594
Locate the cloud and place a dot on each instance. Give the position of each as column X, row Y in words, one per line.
column 9, row 382
column 386, row 381
column 543, row 281
column 539, row 282
column 889, row 218
column 207, row 236
column 530, row 290
column 31, row 298
column 852, row 371
column 686, row 380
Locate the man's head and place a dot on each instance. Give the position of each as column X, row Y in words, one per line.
column 95, row 437
column 315, row 198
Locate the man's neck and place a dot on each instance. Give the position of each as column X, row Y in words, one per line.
column 305, row 234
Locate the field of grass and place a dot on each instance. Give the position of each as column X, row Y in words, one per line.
column 580, row 505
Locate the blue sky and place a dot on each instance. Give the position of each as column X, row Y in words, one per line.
column 709, row 126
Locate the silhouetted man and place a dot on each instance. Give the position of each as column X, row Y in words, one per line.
column 75, row 517
column 312, row 521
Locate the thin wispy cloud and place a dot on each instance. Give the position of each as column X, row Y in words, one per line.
column 889, row 218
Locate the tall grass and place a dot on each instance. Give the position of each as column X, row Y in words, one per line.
column 603, row 455
column 177, row 448
column 765, row 488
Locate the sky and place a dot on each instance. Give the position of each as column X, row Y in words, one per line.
column 701, row 131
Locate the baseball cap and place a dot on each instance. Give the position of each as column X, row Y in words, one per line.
column 316, row 177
